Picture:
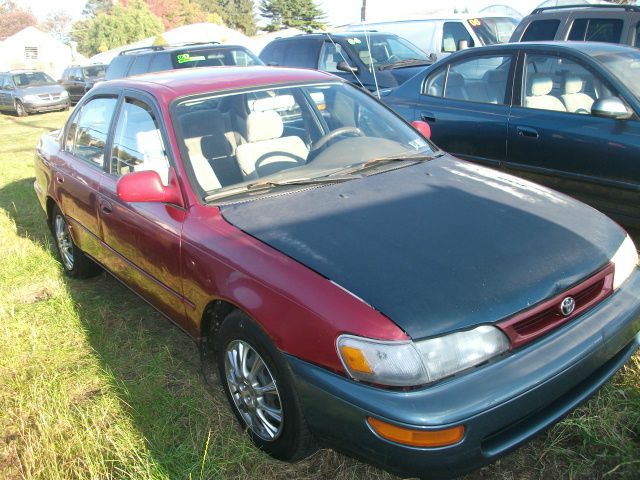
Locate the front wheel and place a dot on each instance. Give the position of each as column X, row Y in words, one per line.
column 20, row 110
column 76, row 264
column 259, row 386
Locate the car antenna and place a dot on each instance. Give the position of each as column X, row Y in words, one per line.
column 339, row 50
column 373, row 67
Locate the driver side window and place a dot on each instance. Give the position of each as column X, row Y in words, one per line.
column 560, row 84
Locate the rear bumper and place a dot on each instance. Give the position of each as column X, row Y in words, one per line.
column 501, row 405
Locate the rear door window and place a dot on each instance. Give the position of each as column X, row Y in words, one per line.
column 596, row 30
column 140, row 65
column 452, row 34
column 160, row 62
column 215, row 57
column 302, row 54
column 541, row 30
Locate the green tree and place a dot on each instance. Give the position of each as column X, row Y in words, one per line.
column 13, row 19
column 123, row 25
column 175, row 13
column 302, row 14
column 239, row 14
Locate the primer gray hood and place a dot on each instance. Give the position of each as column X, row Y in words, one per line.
column 436, row 247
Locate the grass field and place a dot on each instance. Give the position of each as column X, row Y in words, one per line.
column 95, row 384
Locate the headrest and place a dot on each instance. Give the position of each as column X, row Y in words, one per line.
column 214, row 146
column 572, row 85
column 264, row 126
column 200, row 122
column 540, row 84
column 455, row 80
column 365, row 57
column 496, row 76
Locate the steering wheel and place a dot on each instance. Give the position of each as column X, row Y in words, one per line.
column 335, row 133
column 391, row 58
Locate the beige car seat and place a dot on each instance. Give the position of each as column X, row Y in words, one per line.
column 540, row 85
column 573, row 98
column 266, row 149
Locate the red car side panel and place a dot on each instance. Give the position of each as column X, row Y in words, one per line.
column 302, row 311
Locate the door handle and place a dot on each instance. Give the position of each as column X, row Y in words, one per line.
column 59, row 179
column 106, row 207
column 428, row 116
column 527, row 132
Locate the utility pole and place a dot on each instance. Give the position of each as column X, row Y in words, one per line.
column 363, row 11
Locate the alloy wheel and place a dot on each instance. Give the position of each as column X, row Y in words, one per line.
column 254, row 390
column 65, row 243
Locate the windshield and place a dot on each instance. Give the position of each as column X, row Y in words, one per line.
column 383, row 50
column 216, row 57
column 32, row 79
column 625, row 66
column 288, row 134
column 492, row 30
column 94, row 71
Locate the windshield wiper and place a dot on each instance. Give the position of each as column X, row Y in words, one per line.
column 407, row 62
column 382, row 160
column 269, row 184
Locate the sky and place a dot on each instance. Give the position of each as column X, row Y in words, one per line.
column 338, row 11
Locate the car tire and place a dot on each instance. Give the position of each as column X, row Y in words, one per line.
column 20, row 110
column 75, row 263
column 260, row 389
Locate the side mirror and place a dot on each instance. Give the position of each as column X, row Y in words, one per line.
column 345, row 67
column 146, row 186
column 463, row 44
column 422, row 127
column 611, row 107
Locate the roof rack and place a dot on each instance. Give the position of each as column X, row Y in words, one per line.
column 626, row 8
column 156, row 48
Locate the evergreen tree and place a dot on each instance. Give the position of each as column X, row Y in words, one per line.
column 239, row 14
column 302, row 14
column 95, row 7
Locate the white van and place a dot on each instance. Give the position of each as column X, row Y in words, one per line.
column 442, row 36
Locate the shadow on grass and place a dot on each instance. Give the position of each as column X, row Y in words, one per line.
column 155, row 369
column 29, row 124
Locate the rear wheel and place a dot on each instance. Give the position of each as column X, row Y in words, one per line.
column 75, row 263
column 20, row 110
column 259, row 386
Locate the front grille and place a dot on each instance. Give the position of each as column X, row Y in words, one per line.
column 49, row 96
column 534, row 322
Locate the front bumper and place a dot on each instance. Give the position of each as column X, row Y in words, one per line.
column 501, row 404
column 47, row 106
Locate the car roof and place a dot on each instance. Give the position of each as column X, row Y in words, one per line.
column 190, row 81
column 589, row 48
column 346, row 34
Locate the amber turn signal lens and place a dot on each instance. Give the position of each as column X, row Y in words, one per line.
column 417, row 438
column 355, row 359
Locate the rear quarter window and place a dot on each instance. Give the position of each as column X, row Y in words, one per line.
column 540, row 30
column 118, row 67
column 140, row 65
column 160, row 62
column 596, row 30
column 302, row 54
column 273, row 53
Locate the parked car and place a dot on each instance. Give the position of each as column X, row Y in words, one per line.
column 29, row 91
column 354, row 56
column 592, row 23
column 348, row 280
column 562, row 114
column 137, row 61
column 442, row 36
column 79, row 80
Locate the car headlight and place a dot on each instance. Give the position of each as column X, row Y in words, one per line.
column 31, row 98
column 408, row 363
column 64, row 94
column 625, row 261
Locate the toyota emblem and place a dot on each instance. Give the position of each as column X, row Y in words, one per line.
column 567, row 306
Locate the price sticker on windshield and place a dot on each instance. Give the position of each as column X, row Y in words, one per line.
column 474, row 22
column 185, row 57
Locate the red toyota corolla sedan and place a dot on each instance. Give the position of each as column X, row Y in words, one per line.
column 348, row 281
